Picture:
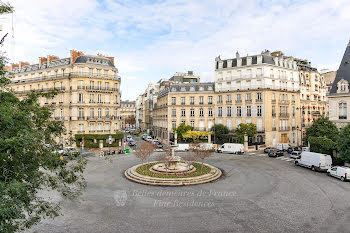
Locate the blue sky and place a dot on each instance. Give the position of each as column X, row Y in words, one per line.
column 151, row 40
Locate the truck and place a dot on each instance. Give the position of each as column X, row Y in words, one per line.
column 182, row 147
column 315, row 161
column 231, row 148
column 343, row 173
column 282, row 146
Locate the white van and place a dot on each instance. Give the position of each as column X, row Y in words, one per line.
column 315, row 161
column 235, row 148
column 182, row 147
column 342, row 173
column 282, row 146
column 207, row 146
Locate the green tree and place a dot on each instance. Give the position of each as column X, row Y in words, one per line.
column 182, row 129
column 220, row 132
column 28, row 163
column 322, row 145
column 343, row 144
column 245, row 129
column 318, row 133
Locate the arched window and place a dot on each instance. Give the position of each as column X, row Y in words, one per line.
column 343, row 86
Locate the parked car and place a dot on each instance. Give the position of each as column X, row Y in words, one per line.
column 282, row 146
column 305, row 149
column 295, row 154
column 315, row 161
column 182, row 147
column 155, row 141
column 267, row 149
column 143, row 136
column 159, row 145
column 275, row 153
column 235, row 148
column 292, row 148
column 128, row 138
column 343, row 173
column 149, row 139
column 132, row 142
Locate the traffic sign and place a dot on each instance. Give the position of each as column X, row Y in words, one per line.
column 110, row 139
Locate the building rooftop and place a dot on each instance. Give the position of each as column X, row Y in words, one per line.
column 188, row 87
column 343, row 72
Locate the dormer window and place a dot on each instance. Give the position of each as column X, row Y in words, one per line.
column 343, row 86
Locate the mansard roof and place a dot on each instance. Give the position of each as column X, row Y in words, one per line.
column 94, row 60
column 36, row 67
column 343, row 72
column 188, row 87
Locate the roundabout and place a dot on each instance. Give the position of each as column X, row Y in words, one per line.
column 157, row 173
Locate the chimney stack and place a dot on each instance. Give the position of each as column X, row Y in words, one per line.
column 22, row 64
column 74, row 54
column 51, row 58
column 42, row 60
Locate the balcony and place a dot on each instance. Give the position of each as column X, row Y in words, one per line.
column 283, row 114
column 81, row 118
column 283, row 102
column 238, row 101
column 228, row 101
column 210, row 103
column 99, row 130
column 248, row 101
column 283, row 129
column 342, row 117
column 258, row 100
column 273, row 128
column 274, row 114
column 91, row 131
column 107, row 131
column 273, row 101
column 81, row 131
column 260, row 130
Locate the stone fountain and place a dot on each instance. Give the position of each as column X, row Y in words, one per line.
column 173, row 164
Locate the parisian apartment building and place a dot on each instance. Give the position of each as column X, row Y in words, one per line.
column 127, row 111
column 88, row 98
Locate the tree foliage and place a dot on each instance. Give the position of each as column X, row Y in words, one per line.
column 28, row 163
column 181, row 130
column 131, row 120
column 322, row 145
column 201, row 153
column 343, row 144
column 196, row 136
column 144, row 151
column 220, row 132
column 248, row 129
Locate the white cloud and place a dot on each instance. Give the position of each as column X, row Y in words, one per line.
column 153, row 40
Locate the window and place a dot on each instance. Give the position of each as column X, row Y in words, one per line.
column 61, row 113
column 107, row 99
column 80, row 71
column 61, row 85
column 173, row 124
column 98, row 73
column 229, row 100
column 92, row 98
column 99, row 85
column 259, row 96
column 201, row 99
column 183, row 112
column 248, row 97
column 91, row 72
column 259, row 114
column 343, row 86
column 81, row 98
column 115, row 99
column 99, row 113
column 229, row 110
column 273, row 110
column 173, row 112
column 92, row 112
column 106, row 73
column 220, row 99
column 201, row 112
column 249, row 111
column 192, row 100
column 238, row 98
column 192, row 124
column 99, row 127
column 220, row 111
column 81, row 113
column 107, row 127
column 239, row 111
column 192, row 112
column 107, row 112
column 92, row 127
column 210, row 99
column 293, row 111
column 183, row 100
column 173, row 100
column 115, row 86
column 342, row 111
column 81, row 127
column 210, row 112
column 99, row 98
column 115, row 126
column 63, row 72
column 107, row 85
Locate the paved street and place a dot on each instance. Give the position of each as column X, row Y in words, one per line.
column 256, row 194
